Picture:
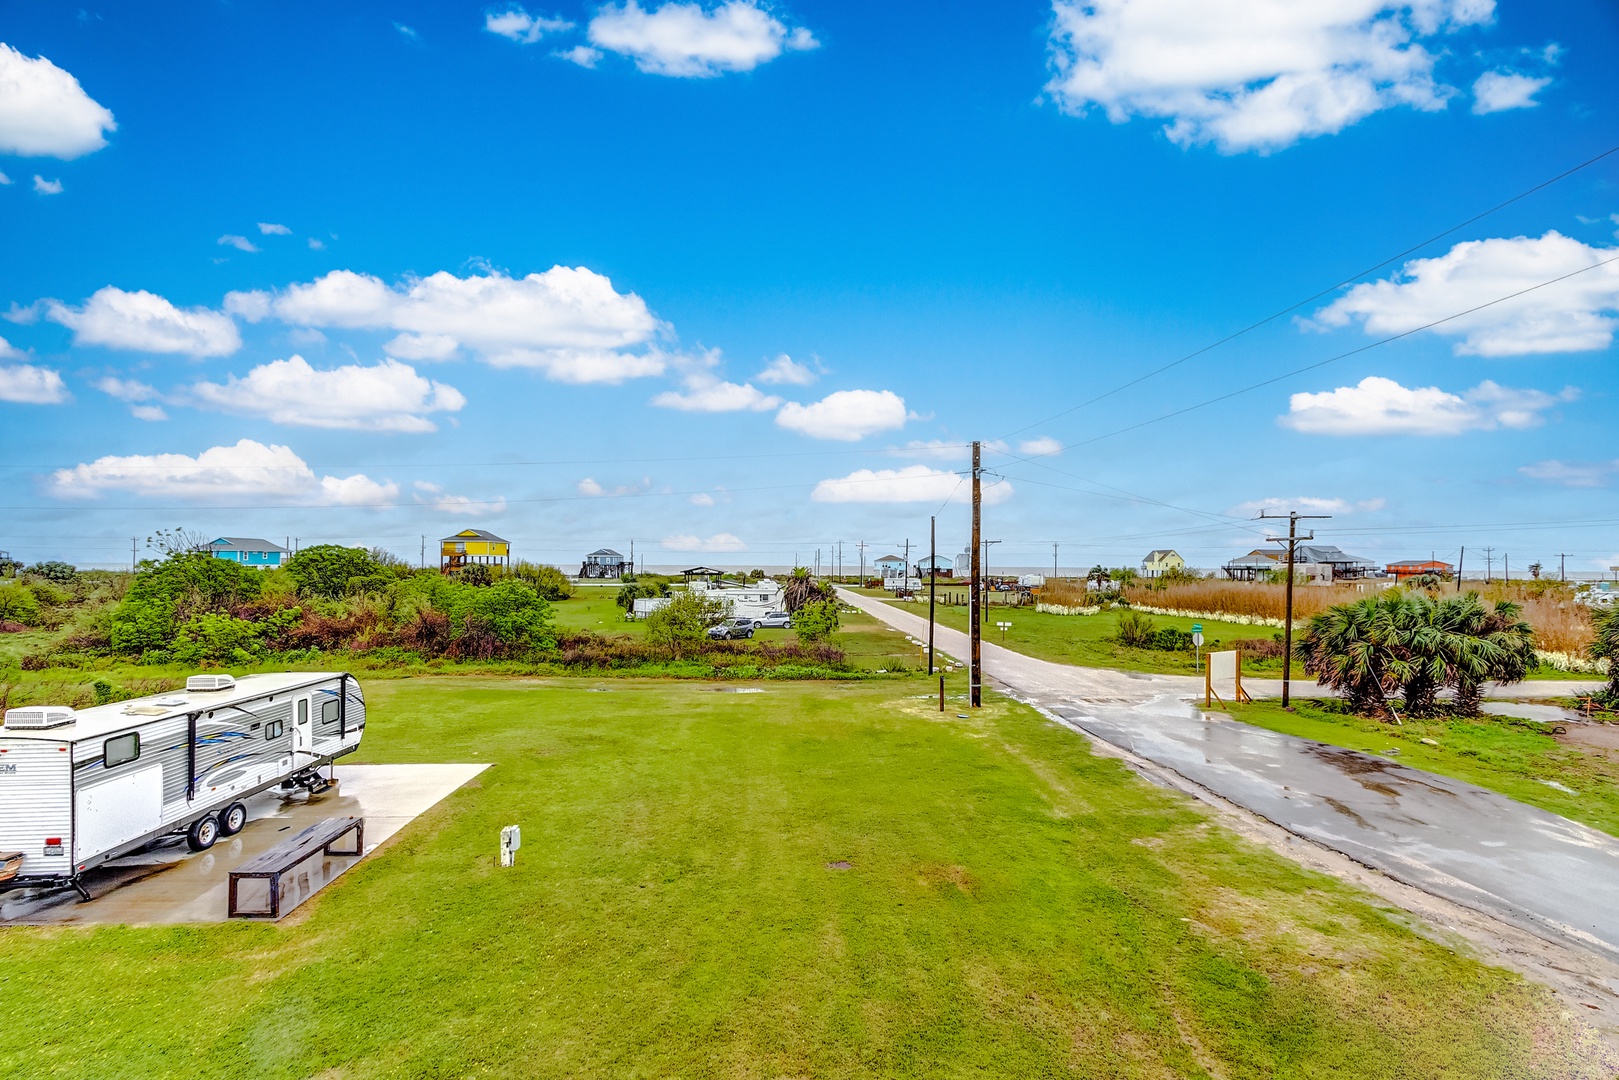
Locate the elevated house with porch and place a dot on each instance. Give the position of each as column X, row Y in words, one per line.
column 1318, row 564
column 935, row 565
column 1410, row 568
column 890, row 567
column 604, row 563
column 1160, row 561
column 473, row 547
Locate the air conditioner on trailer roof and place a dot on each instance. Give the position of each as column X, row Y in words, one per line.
column 201, row 683
column 40, row 716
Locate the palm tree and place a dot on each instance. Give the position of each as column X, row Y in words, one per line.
column 1484, row 645
column 1606, row 647
column 1356, row 650
column 800, row 589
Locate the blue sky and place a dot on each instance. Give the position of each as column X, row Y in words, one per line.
column 368, row 272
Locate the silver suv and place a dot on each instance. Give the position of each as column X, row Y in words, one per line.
column 773, row 620
column 731, row 629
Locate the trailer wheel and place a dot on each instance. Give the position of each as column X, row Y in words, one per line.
column 232, row 819
column 202, row 834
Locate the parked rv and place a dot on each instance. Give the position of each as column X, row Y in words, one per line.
column 80, row 787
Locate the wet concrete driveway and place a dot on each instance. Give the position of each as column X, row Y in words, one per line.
column 1543, row 873
column 167, row 883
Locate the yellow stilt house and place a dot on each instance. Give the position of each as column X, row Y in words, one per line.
column 471, row 546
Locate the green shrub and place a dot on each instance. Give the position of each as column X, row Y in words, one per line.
column 549, row 582
column 511, row 610
column 60, row 572
column 167, row 593
column 326, row 569
column 682, row 624
column 216, row 637
column 18, row 605
column 1136, row 630
column 816, row 621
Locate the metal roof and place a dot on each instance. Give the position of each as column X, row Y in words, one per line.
column 100, row 721
column 1157, row 553
column 474, row 534
column 245, row 543
column 608, row 552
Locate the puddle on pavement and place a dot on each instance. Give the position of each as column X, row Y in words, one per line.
column 1363, row 769
column 1346, row 812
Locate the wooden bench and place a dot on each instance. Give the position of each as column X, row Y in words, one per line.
column 286, row 856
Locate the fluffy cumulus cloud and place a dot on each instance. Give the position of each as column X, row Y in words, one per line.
column 569, row 323
column 43, row 186
column 27, row 384
column 1576, row 315
column 688, row 542
column 1042, row 446
column 270, row 228
column 240, row 243
column 388, row 396
column 1581, row 474
column 1379, row 406
column 1306, row 504
column 518, row 25
column 686, row 39
column 1498, row 91
column 248, row 470
column 44, row 112
column 847, row 415
column 1250, row 74
column 141, row 398
column 143, row 322
column 914, row 483
column 431, row 495
column 592, row 488
column 704, row 391
column 785, row 371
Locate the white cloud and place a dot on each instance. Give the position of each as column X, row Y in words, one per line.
column 388, row 396
column 28, row 384
column 785, row 371
column 407, row 31
column 1306, row 504
column 148, row 412
column 1379, row 406
column 146, row 322
column 913, row 483
column 569, row 323
column 1582, row 474
column 589, row 487
column 717, row 542
column 137, row 394
column 271, row 229
column 459, row 505
column 583, row 55
column 718, row 396
column 944, row 450
column 1250, row 74
column 1570, row 316
column 47, row 187
column 702, row 498
column 1042, row 446
column 240, row 243
column 44, row 112
column 520, row 26
column 316, row 245
column 248, row 470
column 1497, row 91
column 847, row 415
column 684, row 39
column 4, row 180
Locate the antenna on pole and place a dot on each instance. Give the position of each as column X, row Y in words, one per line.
column 976, row 680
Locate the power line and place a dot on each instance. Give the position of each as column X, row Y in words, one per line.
column 1311, row 299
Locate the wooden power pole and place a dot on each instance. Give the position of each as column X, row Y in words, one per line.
column 1292, row 539
column 977, row 680
column 933, row 578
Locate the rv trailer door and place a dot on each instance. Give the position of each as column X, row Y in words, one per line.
column 303, row 738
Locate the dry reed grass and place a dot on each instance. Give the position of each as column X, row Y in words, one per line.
column 1560, row 624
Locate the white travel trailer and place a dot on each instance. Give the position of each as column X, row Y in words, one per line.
column 79, row 788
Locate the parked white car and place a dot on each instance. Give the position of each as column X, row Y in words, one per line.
column 773, row 620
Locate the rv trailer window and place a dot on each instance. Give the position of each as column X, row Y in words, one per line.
column 123, row 749
column 273, row 730
column 303, row 711
column 328, row 712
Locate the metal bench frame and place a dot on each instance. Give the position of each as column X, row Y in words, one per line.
column 288, row 855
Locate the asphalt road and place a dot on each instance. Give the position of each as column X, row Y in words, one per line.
column 1543, row 873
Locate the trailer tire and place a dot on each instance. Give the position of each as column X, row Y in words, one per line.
column 202, row 834
column 232, row 819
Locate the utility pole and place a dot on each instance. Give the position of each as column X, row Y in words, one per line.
column 1562, row 566
column 905, row 571
column 423, row 559
column 837, row 563
column 133, row 561
column 862, row 547
column 1489, row 564
column 632, row 555
column 933, row 579
column 1506, row 567
column 1053, row 561
column 1292, row 539
column 1461, row 561
column 976, row 681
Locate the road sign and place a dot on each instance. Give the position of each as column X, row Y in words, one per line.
column 1197, row 638
column 1197, row 628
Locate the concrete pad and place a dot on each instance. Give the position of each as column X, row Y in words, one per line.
column 166, row 883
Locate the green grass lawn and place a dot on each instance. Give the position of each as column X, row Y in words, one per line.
column 1517, row 758
column 1088, row 640
column 1013, row 907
